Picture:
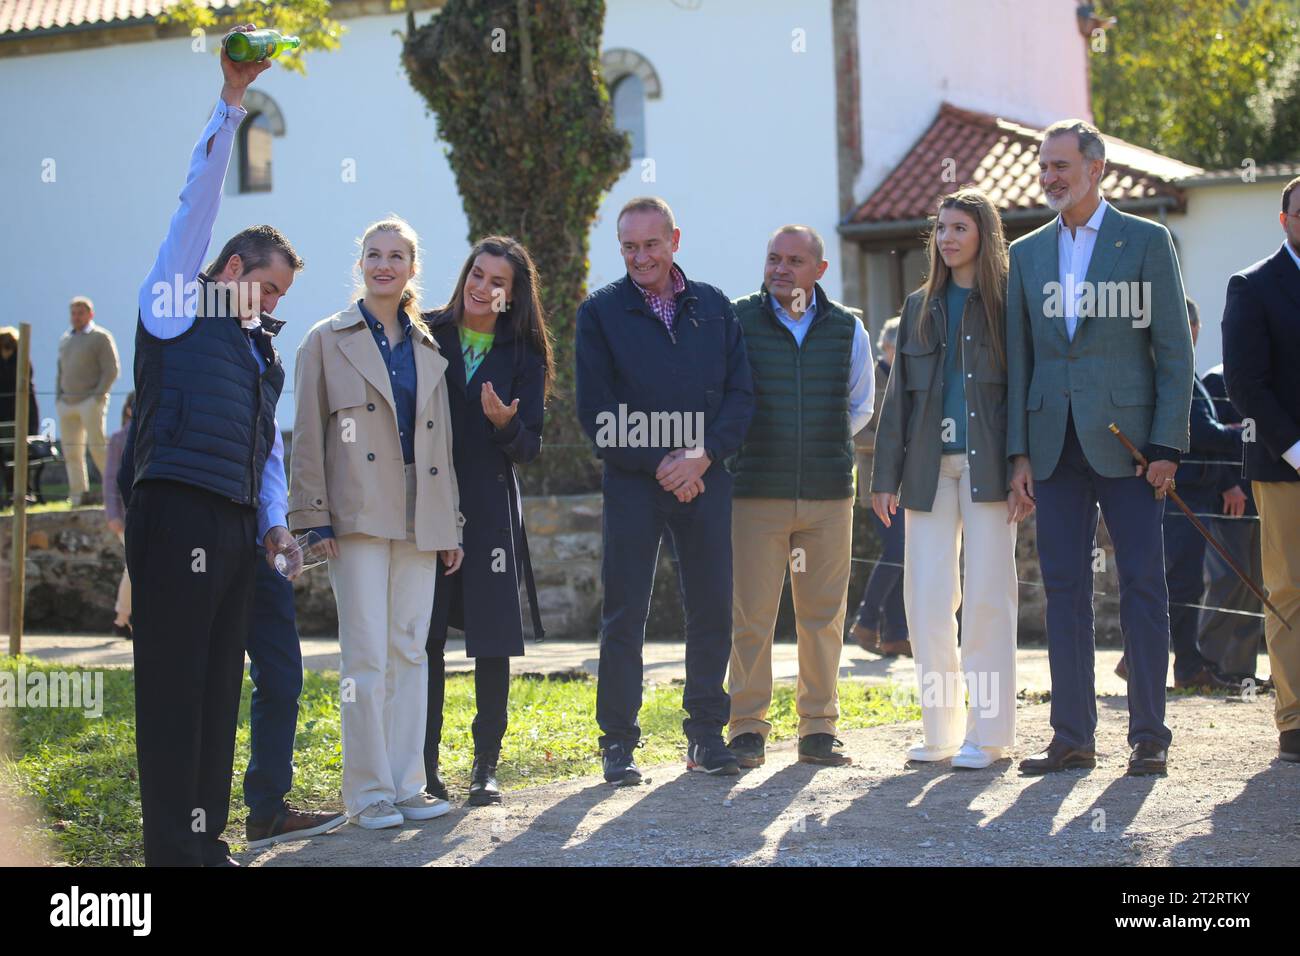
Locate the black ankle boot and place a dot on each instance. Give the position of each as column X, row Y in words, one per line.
column 483, row 786
column 434, row 785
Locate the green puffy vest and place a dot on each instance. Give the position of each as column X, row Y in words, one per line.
column 798, row 444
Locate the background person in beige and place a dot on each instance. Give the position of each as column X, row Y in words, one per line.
column 372, row 473
column 88, row 367
column 941, row 454
column 793, row 501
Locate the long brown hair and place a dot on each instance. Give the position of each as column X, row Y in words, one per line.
column 524, row 307
column 991, row 267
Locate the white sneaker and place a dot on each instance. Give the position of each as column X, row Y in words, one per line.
column 926, row 754
column 971, row 757
column 422, row 806
column 377, row 816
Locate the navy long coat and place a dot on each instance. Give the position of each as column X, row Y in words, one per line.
column 482, row 598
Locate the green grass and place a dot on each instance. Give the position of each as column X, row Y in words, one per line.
column 80, row 772
column 64, row 505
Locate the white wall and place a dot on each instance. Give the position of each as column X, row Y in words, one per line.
column 1020, row 59
column 1226, row 229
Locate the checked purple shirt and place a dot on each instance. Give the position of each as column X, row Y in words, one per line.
column 665, row 307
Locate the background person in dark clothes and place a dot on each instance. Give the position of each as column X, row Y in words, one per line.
column 655, row 342
column 208, row 484
column 493, row 334
column 8, row 409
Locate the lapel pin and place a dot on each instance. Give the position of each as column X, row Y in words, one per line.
column 1119, row 243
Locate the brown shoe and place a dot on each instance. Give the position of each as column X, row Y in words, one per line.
column 1121, row 669
column 1058, row 756
column 868, row 638
column 1206, row 681
column 1288, row 746
column 291, row 824
column 1148, row 758
column 896, row 648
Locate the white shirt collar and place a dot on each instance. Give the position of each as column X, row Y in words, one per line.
column 781, row 313
column 90, row 327
column 1294, row 257
column 1094, row 221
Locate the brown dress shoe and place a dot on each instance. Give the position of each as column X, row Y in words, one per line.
column 1148, row 758
column 1058, row 756
column 868, row 638
column 1205, row 681
column 1121, row 669
column 896, row 648
column 1288, row 746
column 291, row 824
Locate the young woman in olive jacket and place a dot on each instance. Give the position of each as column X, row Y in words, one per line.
column 941, row 455
column 494, row 335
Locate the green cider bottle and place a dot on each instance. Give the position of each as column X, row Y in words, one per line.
column 258, row 45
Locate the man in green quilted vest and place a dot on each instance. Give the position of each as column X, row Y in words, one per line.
column 793, row 498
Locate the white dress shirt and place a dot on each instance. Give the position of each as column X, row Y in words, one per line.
column 1292, row 455
column 1074, row 254
column 862, row 377
column 180, row 257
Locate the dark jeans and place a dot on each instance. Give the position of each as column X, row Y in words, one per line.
column 491, row 696
column 636, row 514
column 276, row 655
column 190, row 554
column 1185, row 577
column 883, row 597
column 1067, row 533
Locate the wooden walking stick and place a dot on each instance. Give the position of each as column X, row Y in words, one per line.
column 1196, row 523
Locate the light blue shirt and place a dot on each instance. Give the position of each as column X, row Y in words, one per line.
column 180, row 257
column 1074, row 254
column 862, row 379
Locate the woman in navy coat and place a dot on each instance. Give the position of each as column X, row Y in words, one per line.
column 494, row 336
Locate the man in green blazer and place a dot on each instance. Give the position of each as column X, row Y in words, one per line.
column 1097, row 333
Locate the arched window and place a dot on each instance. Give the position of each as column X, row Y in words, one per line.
column 628, row 100
column 253, row 143
column 631, row 81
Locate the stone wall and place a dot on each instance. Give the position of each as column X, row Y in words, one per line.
column 73, row 563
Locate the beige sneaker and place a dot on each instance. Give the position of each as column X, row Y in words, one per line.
column 423, row 807
column 378, row 816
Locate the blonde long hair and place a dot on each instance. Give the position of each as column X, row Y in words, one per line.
column 410, row 301
column 991, row 267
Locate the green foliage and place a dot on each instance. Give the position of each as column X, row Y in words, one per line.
column 1210, row 82
column 306, row 19
column 81, row 772
column 519, row 98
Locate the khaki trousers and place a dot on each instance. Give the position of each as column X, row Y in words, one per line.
column 1279, row 527
column 985, row 670
column 81, row 426
column 813, row 538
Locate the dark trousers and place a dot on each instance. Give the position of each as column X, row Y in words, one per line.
column 1232, row 641
column 491, row 696
column 1185, row 577
column 276, row 656
column 191, row 558
column 1067, row 531
column 636, row 514
column 883, row 597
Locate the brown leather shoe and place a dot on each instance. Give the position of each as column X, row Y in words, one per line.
column 1121, row 669
column 868, row 638
column 1206, row 681
column 896, row 648
column 291, row 824
column 1288, row 746
column 1058, row 756
column 1148, row 758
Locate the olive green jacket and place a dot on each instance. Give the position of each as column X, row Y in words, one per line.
column 909, row 431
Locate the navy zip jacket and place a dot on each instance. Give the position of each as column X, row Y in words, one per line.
column 627, row 357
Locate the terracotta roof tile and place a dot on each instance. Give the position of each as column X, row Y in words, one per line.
column 26, row 16
column 1000, row 156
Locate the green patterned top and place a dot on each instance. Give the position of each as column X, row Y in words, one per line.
column 474, row 346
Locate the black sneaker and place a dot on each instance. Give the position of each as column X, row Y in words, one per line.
column 824, row 749
column 710, row 755
column 620, row 768
column 748, row 749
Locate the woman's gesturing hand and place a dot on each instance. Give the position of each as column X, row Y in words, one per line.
column 498, row 414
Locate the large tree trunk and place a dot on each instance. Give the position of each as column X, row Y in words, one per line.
column 519, row 98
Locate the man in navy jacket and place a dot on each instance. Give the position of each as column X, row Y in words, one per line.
column 1261, row 356
column 665, row 392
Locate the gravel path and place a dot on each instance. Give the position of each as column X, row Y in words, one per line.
column 1227, row 801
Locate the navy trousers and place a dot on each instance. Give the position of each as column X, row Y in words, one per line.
column 883, row 596
column 276, row 656
column 636, row 514
column 1067, row 530
column 1185, row 576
